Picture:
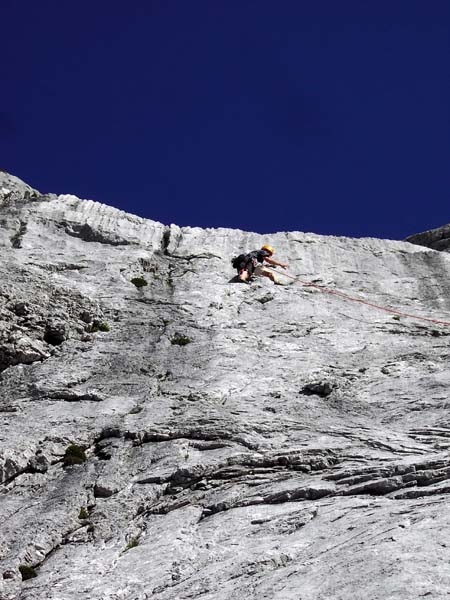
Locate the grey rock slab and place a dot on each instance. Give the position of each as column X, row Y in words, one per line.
column 241, row 441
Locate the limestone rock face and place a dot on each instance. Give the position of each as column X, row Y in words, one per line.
column 438, row 239
column 186, row 437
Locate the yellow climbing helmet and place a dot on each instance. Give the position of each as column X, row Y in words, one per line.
column 268, row 248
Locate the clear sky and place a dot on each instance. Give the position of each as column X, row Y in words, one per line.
column 329, row 116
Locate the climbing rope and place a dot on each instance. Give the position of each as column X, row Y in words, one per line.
column 326, row 290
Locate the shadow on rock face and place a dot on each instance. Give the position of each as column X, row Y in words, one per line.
column 321, row 388
column 55, row 333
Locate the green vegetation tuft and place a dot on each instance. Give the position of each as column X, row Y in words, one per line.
column 98, row 326
column 83, row 514
column 74, row 455
column 134, row 541
column 139, row 282
column 27, row 572
column 180, row 340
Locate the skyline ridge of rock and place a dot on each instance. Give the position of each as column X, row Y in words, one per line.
column 167, row 434
column 16, row 187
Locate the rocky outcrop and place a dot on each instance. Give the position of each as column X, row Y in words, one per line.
column 438, row 239
column 168, row 434
column 13, row 189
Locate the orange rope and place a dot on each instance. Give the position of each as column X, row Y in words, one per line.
column 353, row 299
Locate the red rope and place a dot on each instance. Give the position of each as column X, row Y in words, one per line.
column 353, row 299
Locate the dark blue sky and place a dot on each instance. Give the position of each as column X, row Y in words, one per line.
column 326, row 116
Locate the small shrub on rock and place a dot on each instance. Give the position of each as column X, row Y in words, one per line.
column 134, row 541
column 180, row 340
column 27, row 572
column 83, row 514
column 139, row 282
column 98, row 326
column 74, row 455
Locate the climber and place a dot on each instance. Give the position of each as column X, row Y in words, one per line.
column 251, row 264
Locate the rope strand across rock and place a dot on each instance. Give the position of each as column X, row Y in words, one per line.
column 361, row 301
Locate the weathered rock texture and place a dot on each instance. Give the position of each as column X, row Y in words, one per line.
column 438, row 239
column 241, row 441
